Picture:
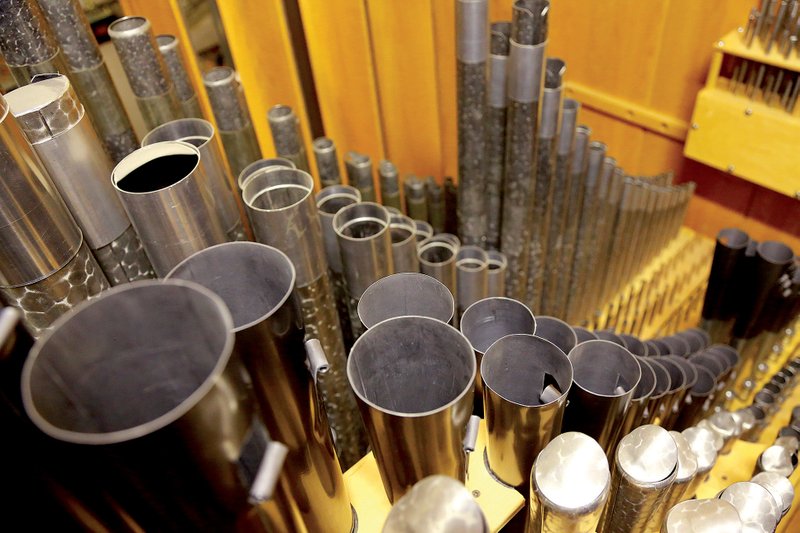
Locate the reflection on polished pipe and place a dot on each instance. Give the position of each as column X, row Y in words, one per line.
column 146, row 70
column 416, row 414
column 555, row 505
column 404, row 243
column 701, row 442
column 26, row 44
column 53, row 120
column 405, row 294
column 269, row 339
column 757, row 509
column 327, row 161
column 170, row 48
column 687, row 469
column 472, row 277
column 284, row 215
column 285, row 128
column 779, row 486
column 702, row 516
column 166, row 420
column 45, row 266
column 233, row 118
column 525, row 384
column 250, row 170
column 200, row 133
column 162, row 188
column 90, row 76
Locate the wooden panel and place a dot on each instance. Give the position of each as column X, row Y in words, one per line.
column 500, row 10
column 444, row 22
column 624, row 141
column 659, row 154
column 339, row 48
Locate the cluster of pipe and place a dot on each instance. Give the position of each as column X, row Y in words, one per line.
column 532, row 182
column 774, row 23
column 753, row 296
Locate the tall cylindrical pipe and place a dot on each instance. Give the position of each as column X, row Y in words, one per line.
column 90, row 76
column 166, row 420
column 661, row 392
column 53, row 120
column 538, row 218
column 282, row 209
column 635, row 416
column 497, row 273
column 472, row 51
column 45, row 266
column 215, row 177
column 414, row 379
column 416, row 198
column 496, row 130
column 26, row 44
column 146, row 70
column 437, row 210
column 359, row 175
column 233, row 118
column 472, row 281
column 525, row 384
column 437, row 258
column 404, row 244
column 583, row 334
column 525, row 62
column 250, row 170
column 405, row 294
column 366, row 246
column 702, row 516
column 701, row 442
column 645, row 466
column 390, row 185
column 285, row 128
column 697, row 401
column 424, row 230
column 757, row 508
column 605, row 377
column 556, row 331
column 327, row 161
column 269, row 338
column 555, row 505
column 170, row 48
column 779, row 486
column 687, row 470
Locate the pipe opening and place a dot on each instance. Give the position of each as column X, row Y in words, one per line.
column 647, row 383
column 276, row 188
column 583, row 334
column 556, row 331
column 676, row 375
column 634, row 345
column 333, row 204
column 128, row 24
column 775, row 252
column 706, row 383
column 400, row 234
column 424, row 230
column 194, row 131
column 279, row 112
column 488, row 320
column 710, row 362
column 733, row 238
column 219, row 76
column 603, row 368
column 689, row 371
column 434, row 253
column 361, row 221
column 155, row 167
column 322, row 144
column 253, row 168
column 405, row 294
column 166, row 42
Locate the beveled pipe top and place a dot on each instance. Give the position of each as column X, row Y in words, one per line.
column 702, row 516
column 603, row 368
column 756, row 507
column 648, row 455
column 779, row 486
column 405, row 294
column 488, row 320
column 702, row 442
column 687, row 460
column 556, row 331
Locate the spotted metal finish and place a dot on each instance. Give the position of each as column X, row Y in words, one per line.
column 124, row 259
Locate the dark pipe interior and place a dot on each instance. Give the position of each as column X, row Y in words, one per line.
column 159, row 173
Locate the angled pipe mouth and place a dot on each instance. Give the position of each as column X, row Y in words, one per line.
column 156, row 167
column 333, row 198
column 194, row 131
column 647, row 385
column 663, row 379
column 583, row 334
column 277, row 188
column 487, row 321
column 556, row 331
column 733, row 238
column 603, row 368
column 361, row 221
column 128, row 27
column 405, row 294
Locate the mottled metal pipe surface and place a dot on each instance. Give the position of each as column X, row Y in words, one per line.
column 404, row 244
column 269, row 338
column 472, row 277
column 645, row 466
column 701, row 442
column 472, row 51
column 134, row 409
column 359, row 175
column 757, row 509
column 437, row 210
column 215, row 177
column 146, row 70
column 405, row 294
column 416, row 198
column 327, row 161
column 283, row 211
column 163, row 191
column 53, row 120
column 557, row 503
column 779, row 486
column 416, row 414
column 232, row 117
column 525, row 384
column 45, row 266
column 390, row 184
column 285, row 128
column 26, row 44
column 170, row 48
column 702, row 516
column 687, row 470
column 497, row 273
column 90, row 76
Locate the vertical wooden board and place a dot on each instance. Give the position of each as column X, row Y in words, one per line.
column 262, row 50
column 623, row 140
column 659, row 154
column 707, row 217
column 339, row 48
column 405, row 66
column 444, row 29
column 500, row 10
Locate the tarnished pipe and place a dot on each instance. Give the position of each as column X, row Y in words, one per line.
column 558, row 332
column 472, row 277
column 359, row 175
column 164, row 193
column 757, row 509
column 233, row 118
column 26, row 44
column 170, row 48
column 390, row 184
column 416, row 198
column 285, row 128
column 213, row 172
column 90, row 76
column 53, row 120
column 497, row 273
column 405, row 294
column 146, row 70
column 702, row 516
column 327, row 161
column 437, row 211
column 404, row 244
column 45, row 266
column 525, row 384
column 414, row 379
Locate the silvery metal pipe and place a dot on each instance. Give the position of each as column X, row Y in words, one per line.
column 285, row 127
column 538, row 217
column 472, row 277
column 687, row 470
column 691, row 373
column 90, row 76
column 365, row 243
column 525, row 384
column 414, row 378
column 26, row 44
column 661, row 392
column 697, row 402
column 404, row 244
column 609, row 335
column 359, row 175
column 636, row 413
column 497, row 273
column 327, row 161
column 450, row 205
column 134, row 409
column 269, row 334
column 436, row 204
column 633, row 344
column 162, row 187
column 416, row 198
column 779, row 486
column 558, row 208
column 170, row 48
column 283, row 211
column 405, row 294
column 757, row 509
column 424, row 230
column 619, row 236
column 701, row 442
column 677, row 375
column 605, row 377
column 525, row 62
column 556, row 331
column 251, row 169
column 645, row 466
column 702, row 516
column 437, row 258
column 583, row 334
column 777, row 459
column 233, row 118
column 53, row 120
column 554, row 504
column 496, row 129
column 215, row 177
column 472, row 52
column 390, row 184
column 45, row 266
column 146, row 70
column 610, row 220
